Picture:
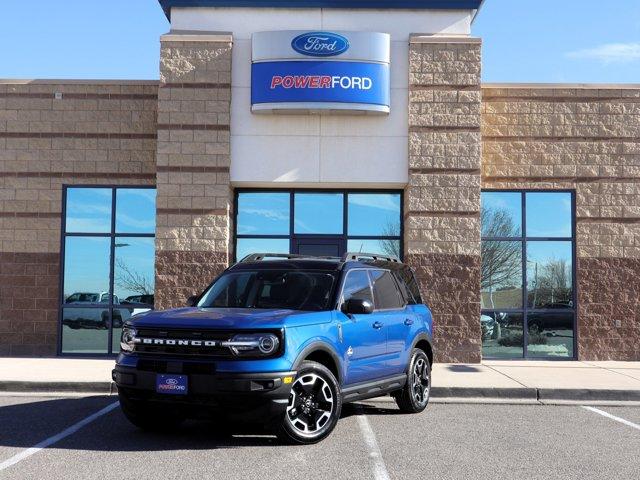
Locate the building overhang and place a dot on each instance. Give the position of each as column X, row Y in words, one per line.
column 167, row 5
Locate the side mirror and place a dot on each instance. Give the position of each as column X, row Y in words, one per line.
column 357, row 306
column 192, row 300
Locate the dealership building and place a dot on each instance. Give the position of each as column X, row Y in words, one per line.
column 319, row 127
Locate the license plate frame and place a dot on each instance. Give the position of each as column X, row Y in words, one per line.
column 169, row 384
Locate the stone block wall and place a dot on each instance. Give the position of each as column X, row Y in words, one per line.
column 194, row 196
column 586, row 139
column 442, row 199
column 55, row 133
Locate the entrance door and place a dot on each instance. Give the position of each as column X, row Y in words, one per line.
column 319, row 246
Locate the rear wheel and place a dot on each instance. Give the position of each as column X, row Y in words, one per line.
column 414, row 397
column 149, row 415
column 314, row 405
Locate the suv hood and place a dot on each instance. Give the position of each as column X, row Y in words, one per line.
column 228, row 318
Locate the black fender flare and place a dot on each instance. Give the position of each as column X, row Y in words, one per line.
column 424, row 336
column 322, row 347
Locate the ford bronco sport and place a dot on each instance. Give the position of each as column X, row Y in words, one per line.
column 282, row 339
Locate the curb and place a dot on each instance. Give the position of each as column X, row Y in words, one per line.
column 449, row 393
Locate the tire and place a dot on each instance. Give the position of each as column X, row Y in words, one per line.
column 414, row 397
column 314, row 406
column 148, row 415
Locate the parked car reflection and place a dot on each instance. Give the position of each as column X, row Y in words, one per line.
column 94, row 311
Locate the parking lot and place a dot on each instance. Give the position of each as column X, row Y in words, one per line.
column 372, row 440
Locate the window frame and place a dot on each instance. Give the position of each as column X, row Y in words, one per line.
column 111, row 235
column 293, row 236
column 524, row 239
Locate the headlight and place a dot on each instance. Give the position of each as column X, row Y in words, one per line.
column 254, row 344
column 126, row 340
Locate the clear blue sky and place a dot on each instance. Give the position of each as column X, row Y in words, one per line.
column 524, row 41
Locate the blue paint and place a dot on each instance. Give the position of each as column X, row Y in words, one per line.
column 320, row 44
column 320, row 81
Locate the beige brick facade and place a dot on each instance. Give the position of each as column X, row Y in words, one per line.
column 55, row 133
column 194, row 195
column 587, row 140
column 442, row 201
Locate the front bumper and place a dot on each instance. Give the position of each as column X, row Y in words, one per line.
column 245, row 396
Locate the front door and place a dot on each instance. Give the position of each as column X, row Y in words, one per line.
column 319, row 246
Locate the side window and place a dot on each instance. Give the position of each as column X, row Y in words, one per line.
column 385, row 292
column 406, row 275
column 357, row 286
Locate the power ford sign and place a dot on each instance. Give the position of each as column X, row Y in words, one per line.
column 320, row 72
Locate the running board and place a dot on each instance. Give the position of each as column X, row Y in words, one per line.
column 362, row 391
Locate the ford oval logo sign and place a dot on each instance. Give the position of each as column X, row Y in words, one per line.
column 320, row 44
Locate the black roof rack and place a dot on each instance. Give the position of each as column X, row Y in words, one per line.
column 257, row 257
column 375, row 256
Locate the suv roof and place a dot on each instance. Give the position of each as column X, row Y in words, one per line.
column 302, row 262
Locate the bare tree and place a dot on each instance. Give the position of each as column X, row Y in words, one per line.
column 501, row 260
column 391, row 247
column 132, row 280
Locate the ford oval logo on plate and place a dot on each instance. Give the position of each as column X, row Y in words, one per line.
column 320, row 44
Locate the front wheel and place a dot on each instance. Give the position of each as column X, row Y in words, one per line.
column 314, row 405
column 414, row 397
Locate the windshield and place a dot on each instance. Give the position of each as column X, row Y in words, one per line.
column 294, row 290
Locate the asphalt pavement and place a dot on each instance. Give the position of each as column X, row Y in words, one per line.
column 88, row 438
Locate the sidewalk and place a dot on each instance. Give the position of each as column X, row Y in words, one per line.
column 532, row 381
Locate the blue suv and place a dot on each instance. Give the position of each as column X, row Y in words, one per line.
column 282, row 339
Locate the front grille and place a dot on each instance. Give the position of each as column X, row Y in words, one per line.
column 201, row 335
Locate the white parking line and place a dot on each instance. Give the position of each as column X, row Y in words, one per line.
column 612, row 417
column 56, row 438
column 379, row 468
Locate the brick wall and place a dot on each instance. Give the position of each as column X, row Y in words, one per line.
column 194, row 195
column 442, row 200
column 587, row 139
column 96, row 133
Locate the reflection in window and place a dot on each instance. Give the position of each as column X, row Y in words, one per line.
column 247, row 246
column 502, row 335
column 549, row 214
column 501, row 274
column 549, row 274
column 318, row 213
column 93, row 314
column 135, row 210
column 547, row 305
column 263, row 213
column 501, row 214
column 357, row 286
column 374, row 214
column 88, row 210
column 384, row 247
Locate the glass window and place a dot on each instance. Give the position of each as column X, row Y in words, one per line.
column 318, row 213
column 501, row 274
column 549, row 275
column 501, row 214
column 136, row 210
column 263, row 213
column 374, row 214
column 385, row 292
column 247, row 246
column 550, row 334
column 357, row 286
column 368, row 245
column 535, row 293
column 502, row 335
column 549, row 214
column 88, row 210
column 406, row 277
column 86, row 269
column 101, row 291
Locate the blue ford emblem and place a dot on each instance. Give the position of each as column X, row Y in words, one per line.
column 320, row 44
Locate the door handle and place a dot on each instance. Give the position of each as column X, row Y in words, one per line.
column 408, row 322
column 377, row 325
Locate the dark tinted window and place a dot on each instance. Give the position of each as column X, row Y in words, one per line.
column 405, row 276
column 385, row 292
column 271, row 289
column 357, row 286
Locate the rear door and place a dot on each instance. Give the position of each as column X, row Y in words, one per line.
column 364, row 343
